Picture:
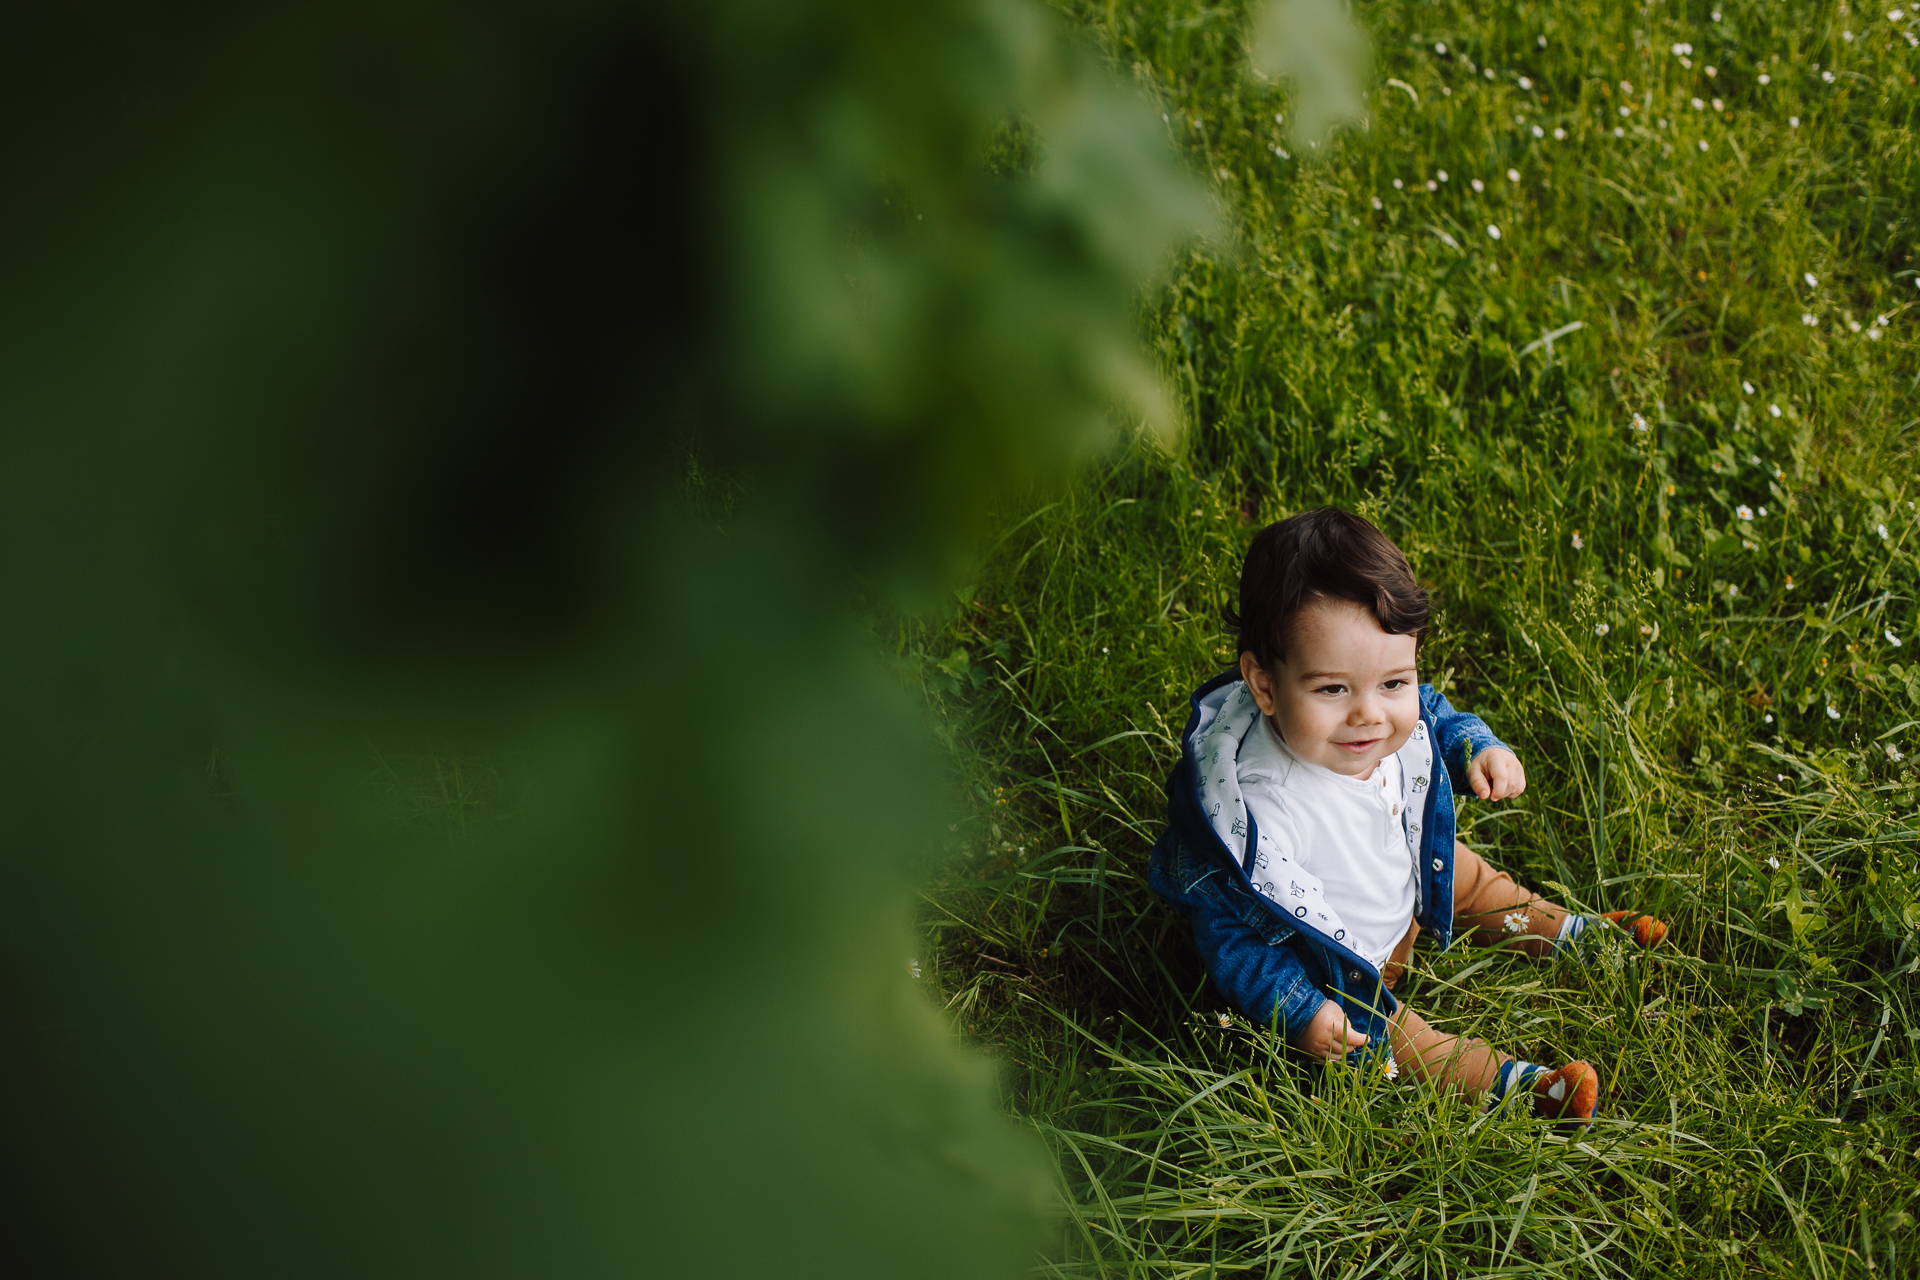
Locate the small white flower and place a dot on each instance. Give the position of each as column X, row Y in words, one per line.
column 1827, row 76
column 1487, row 72
column 1744, row 511
column 1892, row 639
column 1538, row 132
column 1719, row 105
column 1698, row 105
column 1765, row 78
column 913, row 967
column 1894, row 15
column 1577, row 543
column 1525, row 83
column 1541, row 41
column 1763, row 511
column 1793, row 122
column 1601, row 628
column 1515, row 921
column 1807, row 318
column 1442, row 175
column 1103, row 648
column 1432, row 185
column 1779, row 473
column 1847, row 36
column 1769, row 717
column 1749, row 544
column 1747, row 387
column 1712, row 72
column 1703, row 144
column 1881, row 321
column 1874, row 334
column 1625, row 110
column 1833, row 712
column 1626, row 86
column 1493, row 231
column 1813, row 281
column 1377, row 204
column 1225, row 1020
column 1716, row 15
column 1618, row 132
column 1513, row 175
column 1774, row 409
column 1396, row 184
column 1771, row 860
column 1560, row 135
column 1881, row 530
column 1853, row 325
column 1440, row 48
column 1645, row 630
column 1639, row 423
column 1479, row 185
column 1681, row 50
column 1895, row 753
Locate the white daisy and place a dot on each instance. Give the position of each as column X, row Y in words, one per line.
column 1703, row 144
column 1813, row 281
column 1479, row 185
column 1513, row 175
column 1793, row 122
column 1601, row 629
column 1743, row 511
column 1747, row 387
column 1525, row 83
column 1774, row 409
column 1493, row 231
column 1892, row 639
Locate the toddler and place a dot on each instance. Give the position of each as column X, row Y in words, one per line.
column 1311, row 832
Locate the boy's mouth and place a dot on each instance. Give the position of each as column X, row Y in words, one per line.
column 1360, row 747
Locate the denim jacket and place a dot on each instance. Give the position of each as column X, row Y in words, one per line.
column 1279, row 967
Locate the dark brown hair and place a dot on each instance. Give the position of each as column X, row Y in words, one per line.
column 1325, row 553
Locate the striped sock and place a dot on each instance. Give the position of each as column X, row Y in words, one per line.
column 1516, row 1080
column 1568, row 939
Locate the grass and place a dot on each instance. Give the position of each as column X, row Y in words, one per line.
column 1690, row 605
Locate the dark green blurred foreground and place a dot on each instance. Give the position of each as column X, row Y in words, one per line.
column 353, row 359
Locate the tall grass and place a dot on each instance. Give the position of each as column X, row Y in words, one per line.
column 1673, row 553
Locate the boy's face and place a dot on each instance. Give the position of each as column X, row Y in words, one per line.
column 1346, row 696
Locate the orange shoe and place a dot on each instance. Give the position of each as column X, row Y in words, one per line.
column 1646, row 931
column 1571, row 1093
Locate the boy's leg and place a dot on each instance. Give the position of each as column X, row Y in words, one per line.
column 1457, row 1062
column 1486, row 900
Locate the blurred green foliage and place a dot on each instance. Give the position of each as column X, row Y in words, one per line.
column 451, row 824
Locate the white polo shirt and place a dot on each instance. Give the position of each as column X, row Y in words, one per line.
column 1349, row 833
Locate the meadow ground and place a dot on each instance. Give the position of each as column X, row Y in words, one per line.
column 1607, row 315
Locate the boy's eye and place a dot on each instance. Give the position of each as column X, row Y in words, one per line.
column 1331, row 688
column 1395, row 683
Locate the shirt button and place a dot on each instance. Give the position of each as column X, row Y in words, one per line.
column 1438, row 865
column 1353, row 975
column 1395, row 810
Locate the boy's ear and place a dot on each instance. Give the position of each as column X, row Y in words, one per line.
column 1259, row 682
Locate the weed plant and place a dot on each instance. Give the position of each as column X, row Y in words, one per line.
column 1607, row 314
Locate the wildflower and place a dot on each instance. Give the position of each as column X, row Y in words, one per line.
column 1541, row 41
column 1625, row 110
column 1626, row 86
column 1712, row 72
column 1833, row 712
column 1771, row 860
column 1103, row 648
column 1225, row 1020
column 1793, row 122
column 1894, row 15
column 1895, row 753
column 1716, row 15
column 1813, row 281
column 1769, row 717
column 1577, row 544
column 1618, row 132
column 1525, row 83
column 1440, row 49
column 1560, row 135
column 1681, row 50
column 1747, row 387
column 1396, row 184
column 1601, row 628
column 1765, row 78
column 1645, row 630
column 1881, row 321
column 1881, row 530
column 1493, row 231
column 1874, row 334
column 1538, row 132
column 1827, row 76
column 1774, row 409
column 1763, row 511
column 1807, row 318
column 1703, row 144
column 1719, row 105
column 1432, row 185
column 1699, row 105
column 1442, row 175
column 1749, row 544
column 1479, row 185
column 913, row 967
column 1487, row 72
column 1779, row 473
column 1743, row 511
column 1639, row 423
column 1513, row 175
column 1515, row 921
column 1847, row 36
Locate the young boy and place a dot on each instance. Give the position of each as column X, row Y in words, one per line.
column 1312, row 833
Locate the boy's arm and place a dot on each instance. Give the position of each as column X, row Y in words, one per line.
column 1266, row 982
column 1457, row 736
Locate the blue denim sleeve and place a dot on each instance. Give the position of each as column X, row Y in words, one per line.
column 1264, row 981
column 1457, row 736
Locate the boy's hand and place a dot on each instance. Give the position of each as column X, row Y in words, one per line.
column 1328, row 1034
column 1496, row 774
